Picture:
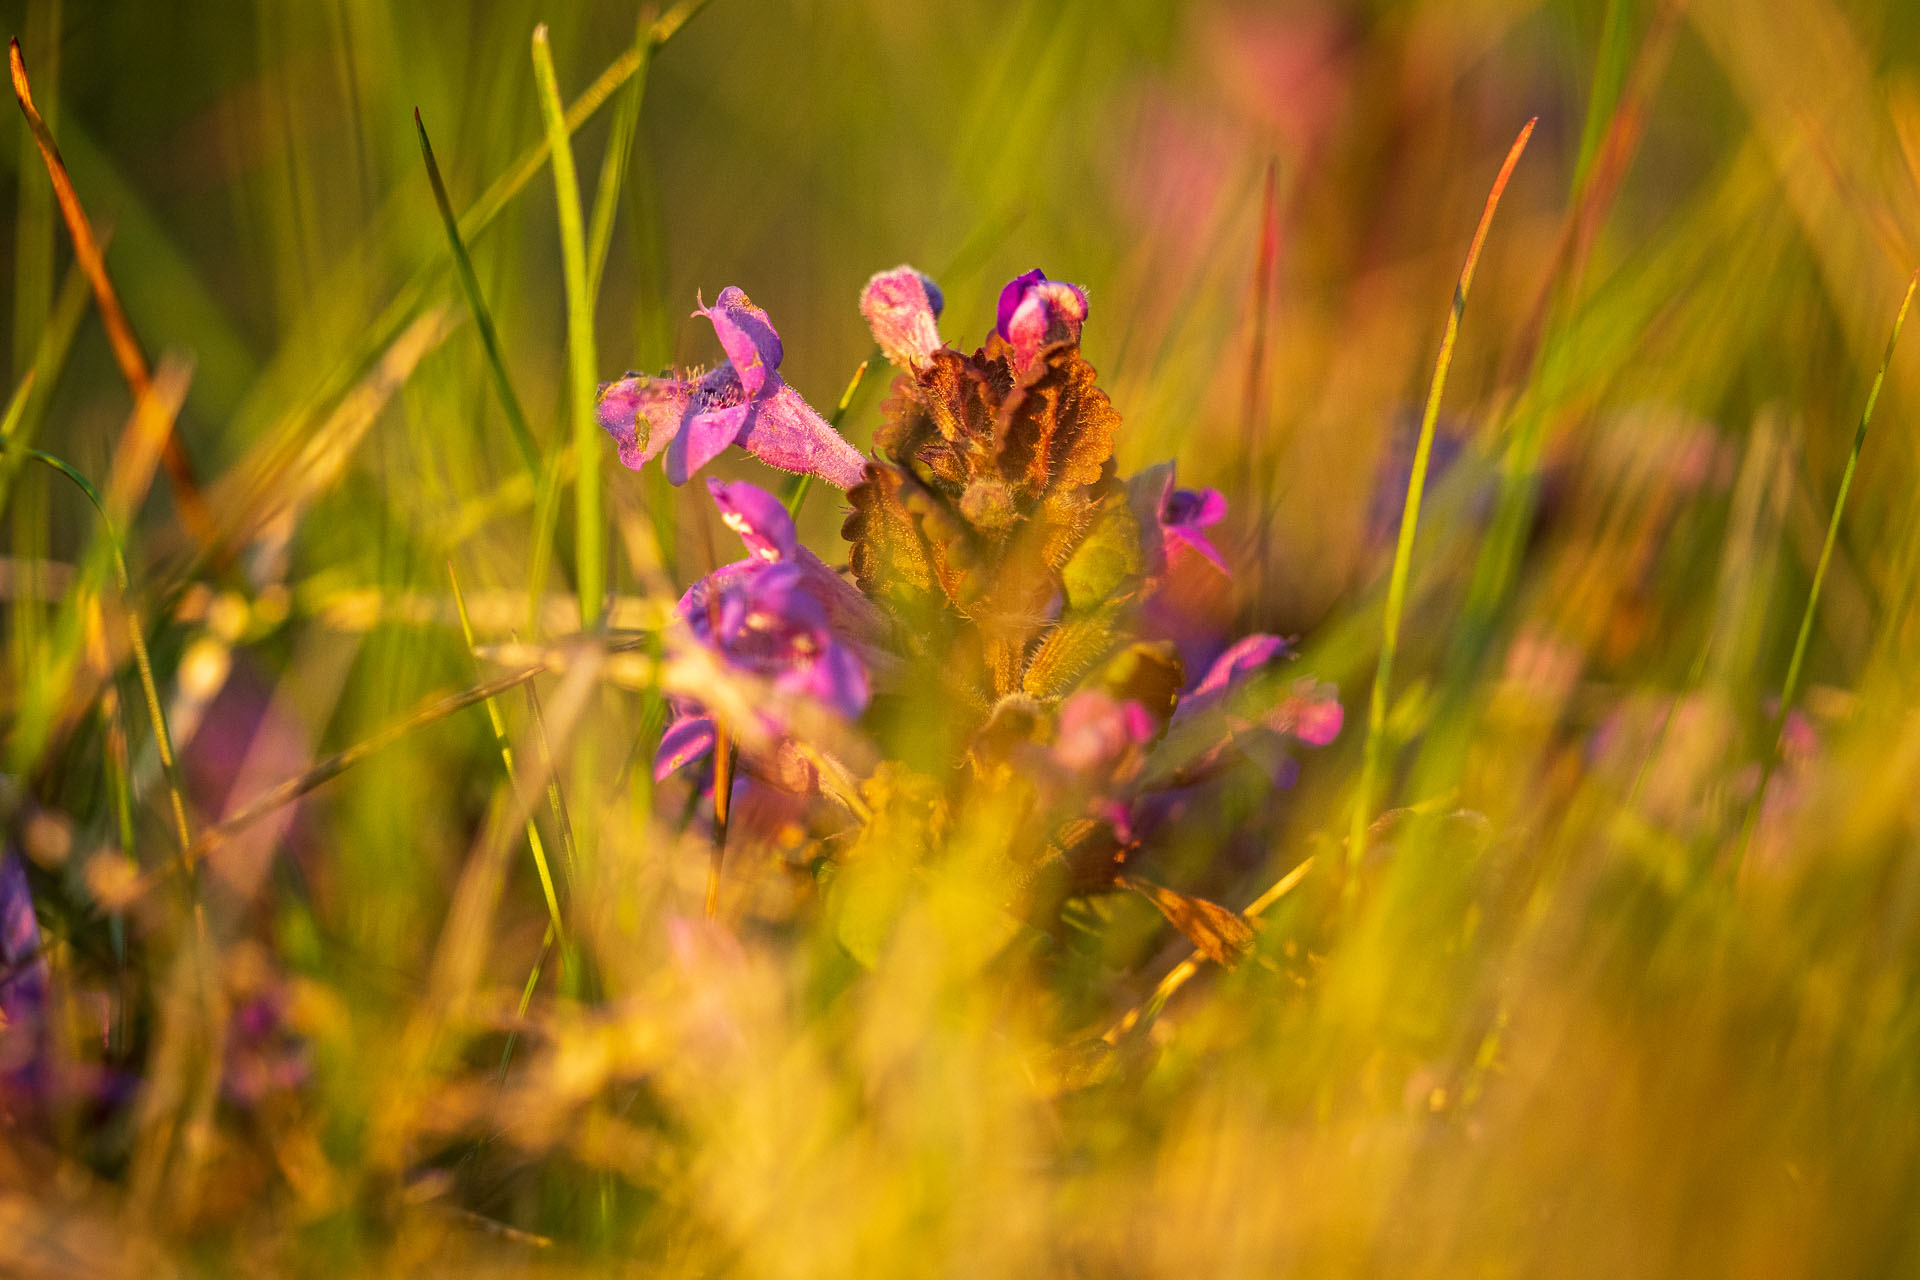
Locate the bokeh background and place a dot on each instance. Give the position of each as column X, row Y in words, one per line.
column 1583, row 1024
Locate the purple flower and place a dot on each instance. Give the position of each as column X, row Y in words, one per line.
column 780, row 615
column 23, row 979
column 1308, row 711
column 903, row 309
column 1037, row 313
column 1179, row 516
column 694, row 417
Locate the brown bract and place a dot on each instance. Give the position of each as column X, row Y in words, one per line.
column 988, row 485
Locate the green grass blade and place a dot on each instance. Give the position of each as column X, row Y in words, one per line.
column 477, row 304
column 1410, row 519
column 589, row 567
column 499, row 727
column 1791, row 685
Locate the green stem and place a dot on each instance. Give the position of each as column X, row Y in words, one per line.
column 589, row 566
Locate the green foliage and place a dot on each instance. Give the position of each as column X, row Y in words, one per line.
column 1543, row 1018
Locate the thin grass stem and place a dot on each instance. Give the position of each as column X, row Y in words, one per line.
column 1791, row 685
column 1375, row 746
column 477, row 305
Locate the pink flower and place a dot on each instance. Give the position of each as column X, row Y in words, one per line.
column 693, row 417
column 903, row 309
column 780, row 614
column 1037, row 313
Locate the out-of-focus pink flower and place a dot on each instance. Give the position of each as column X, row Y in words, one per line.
column 780, row 614
column 1177, row 517
column 1037, row 313
column 903, row 309
column 1094, row 729
column 693, row 417
column 1308, row 712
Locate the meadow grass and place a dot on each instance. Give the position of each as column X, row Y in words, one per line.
column 370, row 943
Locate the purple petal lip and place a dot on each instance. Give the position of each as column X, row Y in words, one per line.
column 1013, row 295
column 746, row 335
column 685, row 740
column 758, row 517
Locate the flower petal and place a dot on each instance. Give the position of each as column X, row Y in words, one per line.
column 685, row 740
column 703, row 437
column 1191, row 538
column 757, row 516
column 1013, row 295
column 748, row 337
column 902, row 307
column 1247, row 655
column 643, row 414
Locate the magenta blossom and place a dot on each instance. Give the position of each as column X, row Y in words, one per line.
column 1308, row 712
column 780, row 614
column 695, row 416
column 903, row 309
column 1094, row 729
column 1180, row 517
column 1037, row 313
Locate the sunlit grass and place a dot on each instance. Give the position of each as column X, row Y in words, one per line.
column 1589, row 947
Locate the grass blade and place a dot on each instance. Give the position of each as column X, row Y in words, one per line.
column 477, row 304
column 1410, row 517
column 614, row 161
column 1791, row 685
column 499, row 726
column 589, row 568
column 120, row 335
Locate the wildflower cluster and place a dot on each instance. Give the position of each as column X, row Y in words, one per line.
column 997, row 558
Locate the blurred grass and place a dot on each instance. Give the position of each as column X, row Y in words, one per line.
column 1556, row 1036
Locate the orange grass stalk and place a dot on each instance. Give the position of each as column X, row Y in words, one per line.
column 126, row 347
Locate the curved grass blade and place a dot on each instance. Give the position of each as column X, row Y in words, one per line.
column 126, row 347
column 477, row 304
column 1410, row 517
